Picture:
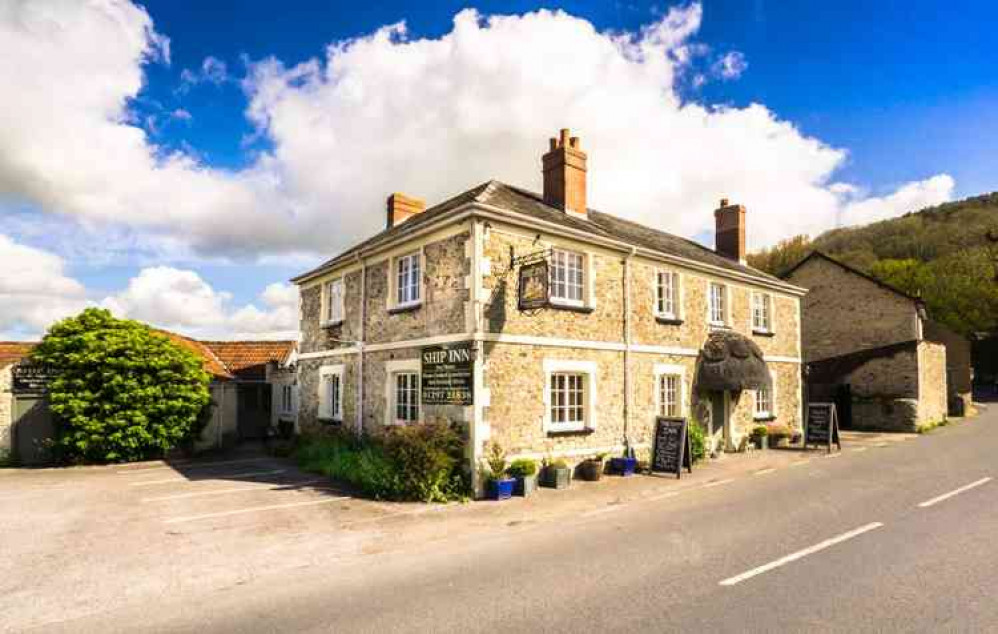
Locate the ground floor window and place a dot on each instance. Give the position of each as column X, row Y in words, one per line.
column 287, row 399
column 668, row 395
column 569, row 395
column 764, row 403
column 330, row 392
column 406, row 397
column 568, row 399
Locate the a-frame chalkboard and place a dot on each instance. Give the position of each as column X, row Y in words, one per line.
column 822, row 426
column 672, row 450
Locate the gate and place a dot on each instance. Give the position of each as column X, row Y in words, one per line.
column 33, row 429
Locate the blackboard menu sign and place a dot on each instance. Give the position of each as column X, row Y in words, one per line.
column 533, row 291
column 672, row 449
column 822, row 426
column 448, row 374
column 29, row 378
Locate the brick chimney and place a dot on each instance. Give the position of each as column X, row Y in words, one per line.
column 565, row 175
column 402, row 207
column 729, row 233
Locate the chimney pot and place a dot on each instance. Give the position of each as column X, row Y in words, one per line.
column 564, row 169
column 724, row 202
column 401, row 207
column 729, row 234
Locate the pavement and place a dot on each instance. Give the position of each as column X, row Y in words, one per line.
column 892, row 534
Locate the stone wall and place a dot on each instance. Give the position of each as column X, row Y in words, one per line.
column 6, row 411
column 932, row 391
column 844, row 312
column 959, row 369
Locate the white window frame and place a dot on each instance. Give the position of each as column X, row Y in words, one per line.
column 769, row 414
column 665, row 369
column 326, row 409
column 394, row 368
column 583, row 284
column 726, row 303
column 677, row 295
column 393, row 279
column 767, row 299
column 590, row 397
column 329, row 302
column 287, row 399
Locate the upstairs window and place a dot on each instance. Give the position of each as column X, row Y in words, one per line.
column 717, row 304
column 567, row 277
column 333, row 293
column 406, row 397
column 667, row 294
column 407, row 279
column 762, row 312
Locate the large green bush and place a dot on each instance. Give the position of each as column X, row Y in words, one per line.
column 121, row 391
column 414, row 463
column 698, row 440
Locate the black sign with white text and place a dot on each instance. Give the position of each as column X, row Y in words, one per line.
column 672, row 451
column 448, row 374
column 822, row 425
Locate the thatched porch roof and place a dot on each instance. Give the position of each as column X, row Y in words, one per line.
column 730, row 361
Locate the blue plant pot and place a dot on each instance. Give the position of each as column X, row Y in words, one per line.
column 624, row 466
column 501, row 489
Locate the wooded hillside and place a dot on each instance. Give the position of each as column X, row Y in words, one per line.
column 947, row 254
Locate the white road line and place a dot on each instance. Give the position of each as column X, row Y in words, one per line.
column 608, row 509
column 195, row 494
column 859, row 449
column 833, row 455
column 254, row 509
column 187, row 465
column 764, row 471
column 670, row 494
column 222, row 476
column 730, row 581
column 718, row 483
column 798, row 463
column 946, row 496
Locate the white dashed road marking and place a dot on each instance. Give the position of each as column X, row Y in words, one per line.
column 730, row 581
column 717, row 483
column 764, row 471
column 946, row 496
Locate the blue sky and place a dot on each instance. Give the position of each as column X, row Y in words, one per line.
column 865, row 110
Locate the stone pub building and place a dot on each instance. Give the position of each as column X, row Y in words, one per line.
column 576, row 328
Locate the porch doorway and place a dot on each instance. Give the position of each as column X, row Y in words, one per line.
column 254, row 410
column 716, row 421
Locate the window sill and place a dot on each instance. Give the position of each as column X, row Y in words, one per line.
column 331, row 324
column 765, row 418
column 335, row 422
column 718, row 325
column 571, row 308
column 405, row 308
column 668, row 321
column 571, row 431
column 763, row 333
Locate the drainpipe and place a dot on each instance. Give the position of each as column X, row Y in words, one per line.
column 360, row 346
column 627, row 348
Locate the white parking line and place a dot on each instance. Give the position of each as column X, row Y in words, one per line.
column 195, row 494
column 670, row 494
column 798, row 463
column 188, row 465
column 730, row 581
column 764, row 471
column 946, row 496
column 607, row 509
column 254, row 509
column 222, row 476
column 717, row 483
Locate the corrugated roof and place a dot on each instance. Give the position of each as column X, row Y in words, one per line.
column 514, row 199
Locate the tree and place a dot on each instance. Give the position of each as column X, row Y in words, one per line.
column 783, row 256
column 121, row 391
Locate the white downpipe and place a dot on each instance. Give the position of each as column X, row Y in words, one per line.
column 360, row 346
column 627, row 346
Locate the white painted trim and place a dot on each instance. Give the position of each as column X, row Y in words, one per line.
column 677, row 297
column 770, row 310
column 393, row 367
column 591, row 370
column 667, row 369
column 574, row 453
column 324, row 371
column 392, row 304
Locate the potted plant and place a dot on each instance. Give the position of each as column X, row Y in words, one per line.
column 624, row 465
column 779, row 435
column 591, row 469
column 555, row 474
column 500, row 486
column 760, row 436
column 525, row 472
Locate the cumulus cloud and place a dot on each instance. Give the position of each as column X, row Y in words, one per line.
column 730, row 66
column 34, row 288
column 385, row 112
column 212, row 71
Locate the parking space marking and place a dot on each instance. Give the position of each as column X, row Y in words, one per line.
column 782, row 561
column 717, row 483
column 195, row 494
column 253, row 509
column 670, row 494
column 764, row 471
column 222, row 476
column 946, row 496
column 798, row 463
column 188, row 465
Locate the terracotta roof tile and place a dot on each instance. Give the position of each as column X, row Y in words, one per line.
column 242, row 355
column 211, row 363
column 14, row 351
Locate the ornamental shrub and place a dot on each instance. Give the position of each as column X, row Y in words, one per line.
column 698, row 444
column 121, row 390
column 522, row 468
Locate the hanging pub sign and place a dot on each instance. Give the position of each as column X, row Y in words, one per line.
column 448, row 374
column 822, row 426
column 672, row 451
column 533, row 290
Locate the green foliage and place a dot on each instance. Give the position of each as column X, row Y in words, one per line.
column 759, row 431
column 942, row 254
column 412, row 463
column 778, row 432
column 698, row 440
column 495, row 459
column 555, row 463
column 122, row 391
column 522, row 468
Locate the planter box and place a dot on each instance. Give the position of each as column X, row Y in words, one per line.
column 501, row 489
column 556, row 477
column 591, row 470
column 623, row 466
column 525, row 486
column 762, row 442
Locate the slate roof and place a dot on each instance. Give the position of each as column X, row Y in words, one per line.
column 508, row 197
column 14, row 351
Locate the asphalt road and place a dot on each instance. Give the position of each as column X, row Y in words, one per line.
column 857, row 543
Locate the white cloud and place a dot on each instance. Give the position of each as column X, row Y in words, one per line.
column 382, row 113
column 910, row 197
column 213, row 71
column 730, row 66
column 34, row 288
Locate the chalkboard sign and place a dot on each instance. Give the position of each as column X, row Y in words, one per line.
column 822, row 426
column 448, row 374
column 672, row 449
